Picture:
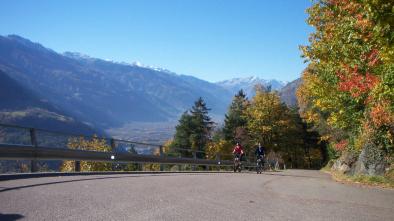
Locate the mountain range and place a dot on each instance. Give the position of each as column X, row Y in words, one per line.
column 248, row 84
column 40, row 87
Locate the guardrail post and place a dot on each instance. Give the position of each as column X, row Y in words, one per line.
column 179, row 165
column 33, row 139
column 218, row 161
column 194, row 157
column 161, row 155
column 77, row 165
column 140, row 167
column 113, row 149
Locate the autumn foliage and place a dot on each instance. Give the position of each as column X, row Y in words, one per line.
column 91, row 144
column 348, row 87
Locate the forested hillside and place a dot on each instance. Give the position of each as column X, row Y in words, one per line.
column 288, row 92
column 106, row 94
column 21, row 106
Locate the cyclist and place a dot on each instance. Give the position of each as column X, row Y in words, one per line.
column 238, row 152
column 260, row 153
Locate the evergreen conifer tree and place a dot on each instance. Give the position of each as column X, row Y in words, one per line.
column 235, row 116
column 202, row 126
column 194, row 130
column 182, row 135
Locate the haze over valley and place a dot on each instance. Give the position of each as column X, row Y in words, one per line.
column 78, row 93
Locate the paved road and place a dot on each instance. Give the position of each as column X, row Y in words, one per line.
column 291, row 195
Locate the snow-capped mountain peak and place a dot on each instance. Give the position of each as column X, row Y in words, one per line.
column 138, row 64
column 236, row 81
column 77, row 56
column 247, row 84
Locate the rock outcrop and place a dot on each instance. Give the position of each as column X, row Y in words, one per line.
column 345, row 163
column 369, row 162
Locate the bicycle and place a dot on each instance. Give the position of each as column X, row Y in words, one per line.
column 259, row 165
column 237, row 163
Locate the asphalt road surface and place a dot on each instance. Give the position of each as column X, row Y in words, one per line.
column 290, row 195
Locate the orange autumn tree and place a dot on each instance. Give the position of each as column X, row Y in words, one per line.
column 348, row 88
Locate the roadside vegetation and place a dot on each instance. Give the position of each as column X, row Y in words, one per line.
column 94, row 144
column 347, row 90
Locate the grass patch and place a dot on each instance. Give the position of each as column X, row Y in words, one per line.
column 373, row 180
column 380, row 181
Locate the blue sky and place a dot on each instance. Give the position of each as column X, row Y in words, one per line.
column 210, row 39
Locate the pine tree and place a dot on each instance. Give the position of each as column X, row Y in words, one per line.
column 182, row 135
column 235, row 118
column 194, row 130
column 202, row 126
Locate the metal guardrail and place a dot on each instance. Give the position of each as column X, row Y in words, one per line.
column 35, row 151
column 27, row 152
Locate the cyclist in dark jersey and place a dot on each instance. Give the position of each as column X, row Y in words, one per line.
column 260, row 151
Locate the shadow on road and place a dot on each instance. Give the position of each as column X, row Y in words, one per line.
column 292, row 175
column 96, row 178
column 10, row 217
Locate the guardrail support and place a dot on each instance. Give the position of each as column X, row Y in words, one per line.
column 194, row 157
column 218, row 160
column 180, row 166
column 77, row 165
column 33, row 139
column 161, row 155
column 113, row 149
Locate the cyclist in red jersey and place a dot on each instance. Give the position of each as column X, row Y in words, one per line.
column 238, row 150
